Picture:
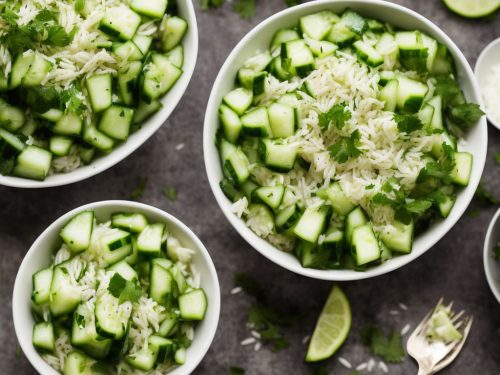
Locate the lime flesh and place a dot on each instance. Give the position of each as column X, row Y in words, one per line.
column 473, row 8
column 332, row 328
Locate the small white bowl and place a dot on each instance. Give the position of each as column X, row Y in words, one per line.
column 489, row 57
column 491, row 265
column 148, row 128
column 259, row 39
column 39, row 256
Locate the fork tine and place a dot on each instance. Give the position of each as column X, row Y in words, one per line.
column 457, row 316
column 458, row 346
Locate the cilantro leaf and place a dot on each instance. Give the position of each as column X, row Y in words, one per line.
column 206, row 4
column 71, row 99
column 408, row 123
column 138, row 192
column 389, row 348
column 337, row 115
column 418, row 206
column 43, row 29
column 265, row 319
column 465, row 115
column 131, row 292
column 245, row 8
column 346, row 148
column 496, row 251
column 170, row 193
column 116, row 285
column 320, row 370
column 7, row 165
column 291, row 3
column 123, row 289
column 485, row 196
column 448, row 89
column 236, row 371
column 249, row 285
column 497, row 158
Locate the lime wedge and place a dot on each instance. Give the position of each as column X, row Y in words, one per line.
column 473, row 8
column 332, row 328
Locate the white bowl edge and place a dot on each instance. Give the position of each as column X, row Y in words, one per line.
column 491, row 266
column 258, row 38
column 47, row 243
column 139, row 137
column 485, row 61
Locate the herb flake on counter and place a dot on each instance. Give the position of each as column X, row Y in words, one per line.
column 170, row 193
column 485, row 196
column 236, row 371
column 496, row 251
column 390, row 348
column 138, row 192
column 245, row 8
column 264, row 319
column 497, row 158
column 207, row 4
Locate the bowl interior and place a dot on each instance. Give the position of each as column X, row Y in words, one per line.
column 483, row 70
column 40, row 254
column 491, row 265
column 258, row 40
column 137, row 138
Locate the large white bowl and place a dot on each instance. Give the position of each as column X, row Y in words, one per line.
column 137, row 138
column 39, row 256
column 491, row 265
column 259, row 39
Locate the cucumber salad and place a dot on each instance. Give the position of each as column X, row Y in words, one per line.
column 342, row 141
column 120, row 297
column 77, row 77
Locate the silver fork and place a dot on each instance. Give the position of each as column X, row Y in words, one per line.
column 434, row 356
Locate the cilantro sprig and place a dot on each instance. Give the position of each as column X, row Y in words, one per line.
column 123, row 289
column 138, row 191
column 390, row 348
column 43, row 29
column 496, row 251
column 392, row 194
column 262, row 317
column 346, row 148
column 408, row 123
column 459, row 114
column 337, row 116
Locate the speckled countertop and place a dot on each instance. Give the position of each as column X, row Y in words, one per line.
column 453, row 268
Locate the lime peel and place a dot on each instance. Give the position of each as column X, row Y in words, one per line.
column 473, row 8
column 332, row 327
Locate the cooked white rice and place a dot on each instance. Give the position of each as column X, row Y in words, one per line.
column 386, row 152
column 145, row 315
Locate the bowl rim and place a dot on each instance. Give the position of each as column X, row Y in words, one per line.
column 170, row 102
column 265, row 248
column 480, row 67
column 17, row 295
column 487, row 258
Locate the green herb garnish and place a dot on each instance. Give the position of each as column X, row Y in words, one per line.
column 485, row 196
column 236, row 371
column 346, row 148
column 170, row 193
column 408, row 123
column 497, row 158
column 206, row 4
column 43, row 29
column 245, row 8
column 80, row 320
column 496, row 251
column 138, row 192
column 123, row 289
column 337, row 116
column 263, row 318
column 389, row 348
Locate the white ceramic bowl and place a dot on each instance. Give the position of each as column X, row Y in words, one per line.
column 259, row 39
column 484, row 64
column 491, row 265
column 137, row 138
column 39, row 256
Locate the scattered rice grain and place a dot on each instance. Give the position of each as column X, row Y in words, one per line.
column 236, row 290
column 344, row 362
column 248, row 341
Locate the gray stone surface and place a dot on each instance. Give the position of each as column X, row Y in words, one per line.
column 453, row 268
